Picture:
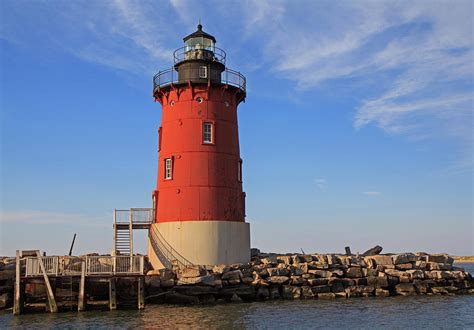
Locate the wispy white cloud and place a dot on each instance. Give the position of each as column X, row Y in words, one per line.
column 321, row 183
column 372, row 193
column 411, row 62
column 35, row 217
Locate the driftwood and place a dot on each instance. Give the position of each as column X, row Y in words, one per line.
column 373, row 251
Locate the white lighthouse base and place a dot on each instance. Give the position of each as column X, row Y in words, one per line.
column 200, row 242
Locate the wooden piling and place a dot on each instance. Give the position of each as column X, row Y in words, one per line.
column 53, row 308
column 141, row 293
column 81, row 306
column 112, row 294
column 17, row 300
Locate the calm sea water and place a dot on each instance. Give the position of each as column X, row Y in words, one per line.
column 394, row 312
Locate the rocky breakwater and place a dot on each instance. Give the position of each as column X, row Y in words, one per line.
column 318, row 276
column 7, row 281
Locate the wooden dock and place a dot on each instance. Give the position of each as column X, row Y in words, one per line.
column 76, row 283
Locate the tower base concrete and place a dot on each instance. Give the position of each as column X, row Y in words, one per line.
column 200, row 242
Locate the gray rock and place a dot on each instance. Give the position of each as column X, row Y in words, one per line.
column 306, row 292
column 192, row 271
column 7, row 274
column 235, row 298
column 337, row 287
column 278, row 272
column 195, row 290
column 152, row 281
column 241, row 291
column 207, row 299
column 274, row 292
column 177, row 298
column 439, row 290
column 317, row 281
column 166, row 274
column 271, row 259
column 395, row 272
column 436, row 275
column 373, row 251
column 167, row 283
column 377, row 282
column 254, row 252
column 320, row 273
column 337, row 272
column 297, row 280
column 354, row 272
column 404, row 258
column 438, row 266
column 233, row 274
column 416, row 274
column 220, row 269
column 333, row 260
column 405, row 289
column 278, row 280
column 439, row 258
column 326, row 296
column 5, row 300
column 263, row 293
column 287, row 260
column 382, row 293
column 289, row 292
column 321, row 289
column 201, row 280
column 404, row 266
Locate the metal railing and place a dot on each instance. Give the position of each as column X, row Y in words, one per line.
column 139, row 216
column 196, row 52
column 170, row 76
column 168, row 256
column 95, row 265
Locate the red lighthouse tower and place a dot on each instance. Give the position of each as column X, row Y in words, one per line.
column 199, row 202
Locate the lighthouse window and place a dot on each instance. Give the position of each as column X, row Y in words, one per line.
column 239, row 171
column 168, row 168
column 207, row 133
column 203, row 72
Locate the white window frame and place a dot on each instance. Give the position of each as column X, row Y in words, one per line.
column 168, row 168
column 207, row 135
column 202, row 71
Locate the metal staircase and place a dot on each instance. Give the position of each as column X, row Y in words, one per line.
column 169, row 257
column 125, row 221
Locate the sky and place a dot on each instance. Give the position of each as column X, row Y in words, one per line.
column 357, row 129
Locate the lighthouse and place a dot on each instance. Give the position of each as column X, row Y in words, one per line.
column 199, row 202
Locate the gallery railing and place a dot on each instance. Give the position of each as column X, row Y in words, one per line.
column 170, row 76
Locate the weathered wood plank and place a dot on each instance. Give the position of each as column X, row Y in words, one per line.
column 112, row 294
column 53, row 308
column 17, row 300
column 82, row 288
column 141, row 293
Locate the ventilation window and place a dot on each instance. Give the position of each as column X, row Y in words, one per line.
column 203, row 72
column 199, row 100
column 227, row 104
column 168, row 168
column 207, row 133
column 239, row 171
column 172, row 103
column 160, row 132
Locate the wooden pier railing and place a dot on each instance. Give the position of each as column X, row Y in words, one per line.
column 94, row 265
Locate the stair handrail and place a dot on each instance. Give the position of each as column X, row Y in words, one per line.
column 156, row 238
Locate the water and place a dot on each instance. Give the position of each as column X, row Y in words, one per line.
column 394, row 312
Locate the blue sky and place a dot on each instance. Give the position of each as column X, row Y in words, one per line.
column 357, row 129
